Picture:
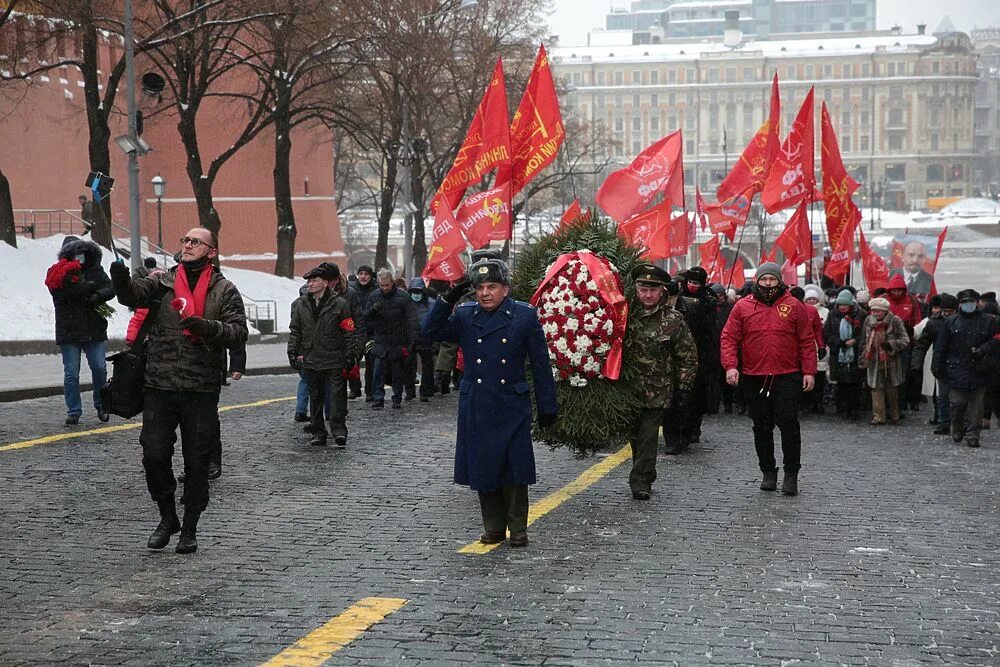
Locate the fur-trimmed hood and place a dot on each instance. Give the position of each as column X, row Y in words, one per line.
column 73, row 246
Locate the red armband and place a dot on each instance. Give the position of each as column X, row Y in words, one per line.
column 347, row 325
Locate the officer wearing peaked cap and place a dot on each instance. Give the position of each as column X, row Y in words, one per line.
column 667, row 360
column 494, row 453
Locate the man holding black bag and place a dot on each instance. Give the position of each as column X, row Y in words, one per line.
column 202, row 314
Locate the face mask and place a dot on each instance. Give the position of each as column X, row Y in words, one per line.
column 967, row 307
column 769, row 294
column 80, row 258
column 417, row 298
column 693, row 288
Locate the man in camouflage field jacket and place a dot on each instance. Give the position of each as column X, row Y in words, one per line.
column 665, row 353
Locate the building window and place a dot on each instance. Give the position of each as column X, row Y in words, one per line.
column 865, row 118
column 672, row 76
column 845, row 119
column 654, row 77
column 748, row 74
column 890, row 69
column 895, row 117
column 935, row 172
column 895, row 92
column 864, row 143
column 689, row 75
column 636, row 147
column 866, row 93
column 690, row 147
column 731, row 74
column 827, row 95
column 747, row 117
column 895, row 172
column 935, row 116
column 672, row 123
column 845, row 143
column 672, row 99
column 636, row 76
column 689, row 121
column 619, row 124
column 935, row 142
column 654, row 100
column 810, row 71
column 865, row 69
column 654, row 123
column 895, row 142
column 635, row 101
column 936, row 69
column 619, row 78
column 713, row 75
column 599, row 102
column 713, row 118
column 619, row 102
column 600, row 78
column 828, row 71
column 846, row 95
column 636, row 123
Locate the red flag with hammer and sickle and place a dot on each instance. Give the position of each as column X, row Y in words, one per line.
column 537, row 129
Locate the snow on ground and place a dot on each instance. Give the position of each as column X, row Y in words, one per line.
column 26, row 306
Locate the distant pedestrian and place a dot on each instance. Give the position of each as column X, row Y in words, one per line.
column 321, row 342
column 883, row 341
column 942, row 307
column 421, row 349
column 80, row 291
column 389, row 316
column 87, row 215
column 494, row 454
column 364, row 288
column 668, row 361
column 966, row 360
column 769, row 350
column 842, row 333
column 202, row 315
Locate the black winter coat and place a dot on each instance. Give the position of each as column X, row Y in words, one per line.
column 849, row 373
column 359, row 306
column 389, row 317
column 76, row 319
column 965, row 351
column 924, row 342
column 174, row 361
column 323, row 334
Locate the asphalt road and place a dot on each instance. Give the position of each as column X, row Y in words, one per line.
column 889, row 556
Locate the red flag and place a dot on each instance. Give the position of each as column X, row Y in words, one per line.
column 446, row 245
column 485, row 216
column 752, row 168
column 487, row 144
column 725, row 217
column 737, row 276
column 708, row 254
column 639, row 229
column 842, row 216
column 571, row 215
column 875, row 269
column 537, row 129
column 841, row 256
column 657, row 169
column 670, row 240
column 791, row 178
column 796, row 239
column 937, row 256
column 789, row 274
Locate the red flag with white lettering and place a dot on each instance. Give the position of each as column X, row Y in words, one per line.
column 484, row 215
column 657, row 169
column 791, row 179
column 841, row 256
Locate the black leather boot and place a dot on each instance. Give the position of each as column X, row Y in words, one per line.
column 790, row 484
column 770, row 481
column 188, row 543
column 169, row 524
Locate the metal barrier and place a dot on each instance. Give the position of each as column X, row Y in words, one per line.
column 262, row 314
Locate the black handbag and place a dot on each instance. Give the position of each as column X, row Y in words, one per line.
column 122, row 393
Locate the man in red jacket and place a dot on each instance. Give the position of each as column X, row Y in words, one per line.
column 769, row 335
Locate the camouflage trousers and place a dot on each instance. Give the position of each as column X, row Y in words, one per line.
column 645, row 440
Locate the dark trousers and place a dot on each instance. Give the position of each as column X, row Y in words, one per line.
column 426, row 358
column 505, row 509
column 197, row 414
column 645, row 436
column 323, row 384
column 369, row 376
column 848, row 399
column 396, row 376
column 966, row 407
column 942, row 402
column 774, row 400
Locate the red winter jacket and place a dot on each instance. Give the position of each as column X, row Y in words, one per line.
column 769, row 340
column 906, row 307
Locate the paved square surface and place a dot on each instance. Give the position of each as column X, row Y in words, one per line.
column 888, row 556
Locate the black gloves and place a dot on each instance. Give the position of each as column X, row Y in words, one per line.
column 351, row 362
column 93, row 299
column 294, row 362
column 822, row 353
column 457, row 292
column 119, row 273
column 547, row 421
column 682, row 400
column 201, row 327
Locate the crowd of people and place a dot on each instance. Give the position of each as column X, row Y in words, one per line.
column 771, row 352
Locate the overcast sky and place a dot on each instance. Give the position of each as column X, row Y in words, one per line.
column 571, row 19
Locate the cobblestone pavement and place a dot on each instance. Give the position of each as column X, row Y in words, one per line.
column 888, row 557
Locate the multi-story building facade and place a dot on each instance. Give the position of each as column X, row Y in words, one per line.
column 986, row 173
column 652, row 20
column 902, row 105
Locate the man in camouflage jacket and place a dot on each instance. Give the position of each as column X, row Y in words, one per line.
column 667, row 358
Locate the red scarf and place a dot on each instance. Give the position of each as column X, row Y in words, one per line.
column 192, row 304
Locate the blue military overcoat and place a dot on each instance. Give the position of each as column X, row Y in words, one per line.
column 494, row 404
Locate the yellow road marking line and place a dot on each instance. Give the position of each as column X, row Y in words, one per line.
column 125, row 427
column 556, row 498
column 317, row 647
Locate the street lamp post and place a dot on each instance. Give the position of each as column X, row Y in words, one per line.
column 159, row 189
column 135, row 245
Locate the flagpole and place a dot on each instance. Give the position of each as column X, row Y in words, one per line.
column 738, row 245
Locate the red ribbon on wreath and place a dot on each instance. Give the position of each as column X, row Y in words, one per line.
column 609, row 287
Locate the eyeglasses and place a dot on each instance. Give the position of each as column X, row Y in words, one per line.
column 194, row 243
